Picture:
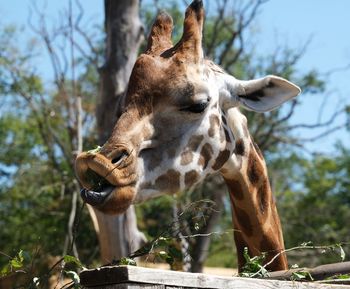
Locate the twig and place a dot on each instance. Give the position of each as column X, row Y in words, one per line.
column 324, row 134
column 297, row 248
column 4, row 254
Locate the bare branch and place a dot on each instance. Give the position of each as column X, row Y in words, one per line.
column 332, row 118
column 217, row 26
column 336, row 70
column 324, row 134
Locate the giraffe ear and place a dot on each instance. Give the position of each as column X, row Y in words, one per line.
column 267, row 93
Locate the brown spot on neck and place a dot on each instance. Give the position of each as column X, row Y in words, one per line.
column 239, row 148
column 194, row 142
column 205, row 155
column 186, row 157
column 214, row 124
column 221, row 159
column 255, row 169
column 168, row 182
column 191, row 178
column 243, row 221
column 264, row 196
column 272, row 246
column 235, row 189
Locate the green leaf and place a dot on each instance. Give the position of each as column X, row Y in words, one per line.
column 254, row 266
column 25, row 256
column 308, row 243
column 342, row 253
column 95, row 150
column 6, row 270
column 343, row 276
column 72, row 260
column 246, row 254
column 127, row 261
column 16, row 263
column 301, row 275
column 297, row 276
column 337, row 277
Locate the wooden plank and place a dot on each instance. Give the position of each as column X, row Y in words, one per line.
column 130, row 286
column 123, row 274
column 318, row 273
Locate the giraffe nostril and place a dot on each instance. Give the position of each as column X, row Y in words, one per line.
column 119, row 157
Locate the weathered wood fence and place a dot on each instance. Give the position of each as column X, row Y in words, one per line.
column 130, row 277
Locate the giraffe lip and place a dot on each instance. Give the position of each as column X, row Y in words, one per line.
column 94, row 198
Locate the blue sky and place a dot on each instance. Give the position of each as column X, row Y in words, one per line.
column 279, row 22
column 328, row 23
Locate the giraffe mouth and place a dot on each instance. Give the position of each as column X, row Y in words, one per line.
column 94, row 198
column 97, row 195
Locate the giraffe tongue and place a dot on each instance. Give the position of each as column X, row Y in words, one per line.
column 95, row 198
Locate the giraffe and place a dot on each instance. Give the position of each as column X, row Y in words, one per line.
column 180, row 123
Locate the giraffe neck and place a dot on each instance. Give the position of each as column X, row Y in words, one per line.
column 254, row 213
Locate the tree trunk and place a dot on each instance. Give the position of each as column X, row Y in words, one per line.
column 118, row 235
column 201, row 249
column 124, row 35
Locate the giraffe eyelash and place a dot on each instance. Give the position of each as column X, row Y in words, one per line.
column 196, row 108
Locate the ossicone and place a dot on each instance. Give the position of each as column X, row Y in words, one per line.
column 189, row 48
column 190, row 45
column 159, row 39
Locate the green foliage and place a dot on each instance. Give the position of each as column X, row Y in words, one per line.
column 301, row 276
column 159, row 249
column 21, row 267
column 36, row 173
column 21, row 259
column 127, row 261
column 339, row 277
column 68, row 259
column 313, row 197
column 222, row 252
column 254, row 266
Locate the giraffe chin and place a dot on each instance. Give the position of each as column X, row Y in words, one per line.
column 112, row 200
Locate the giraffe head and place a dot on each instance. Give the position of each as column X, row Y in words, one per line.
column 173, row 131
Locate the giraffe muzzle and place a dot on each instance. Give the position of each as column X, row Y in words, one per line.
column 108, row 183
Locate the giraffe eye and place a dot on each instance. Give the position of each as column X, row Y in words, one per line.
column 196, row 108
